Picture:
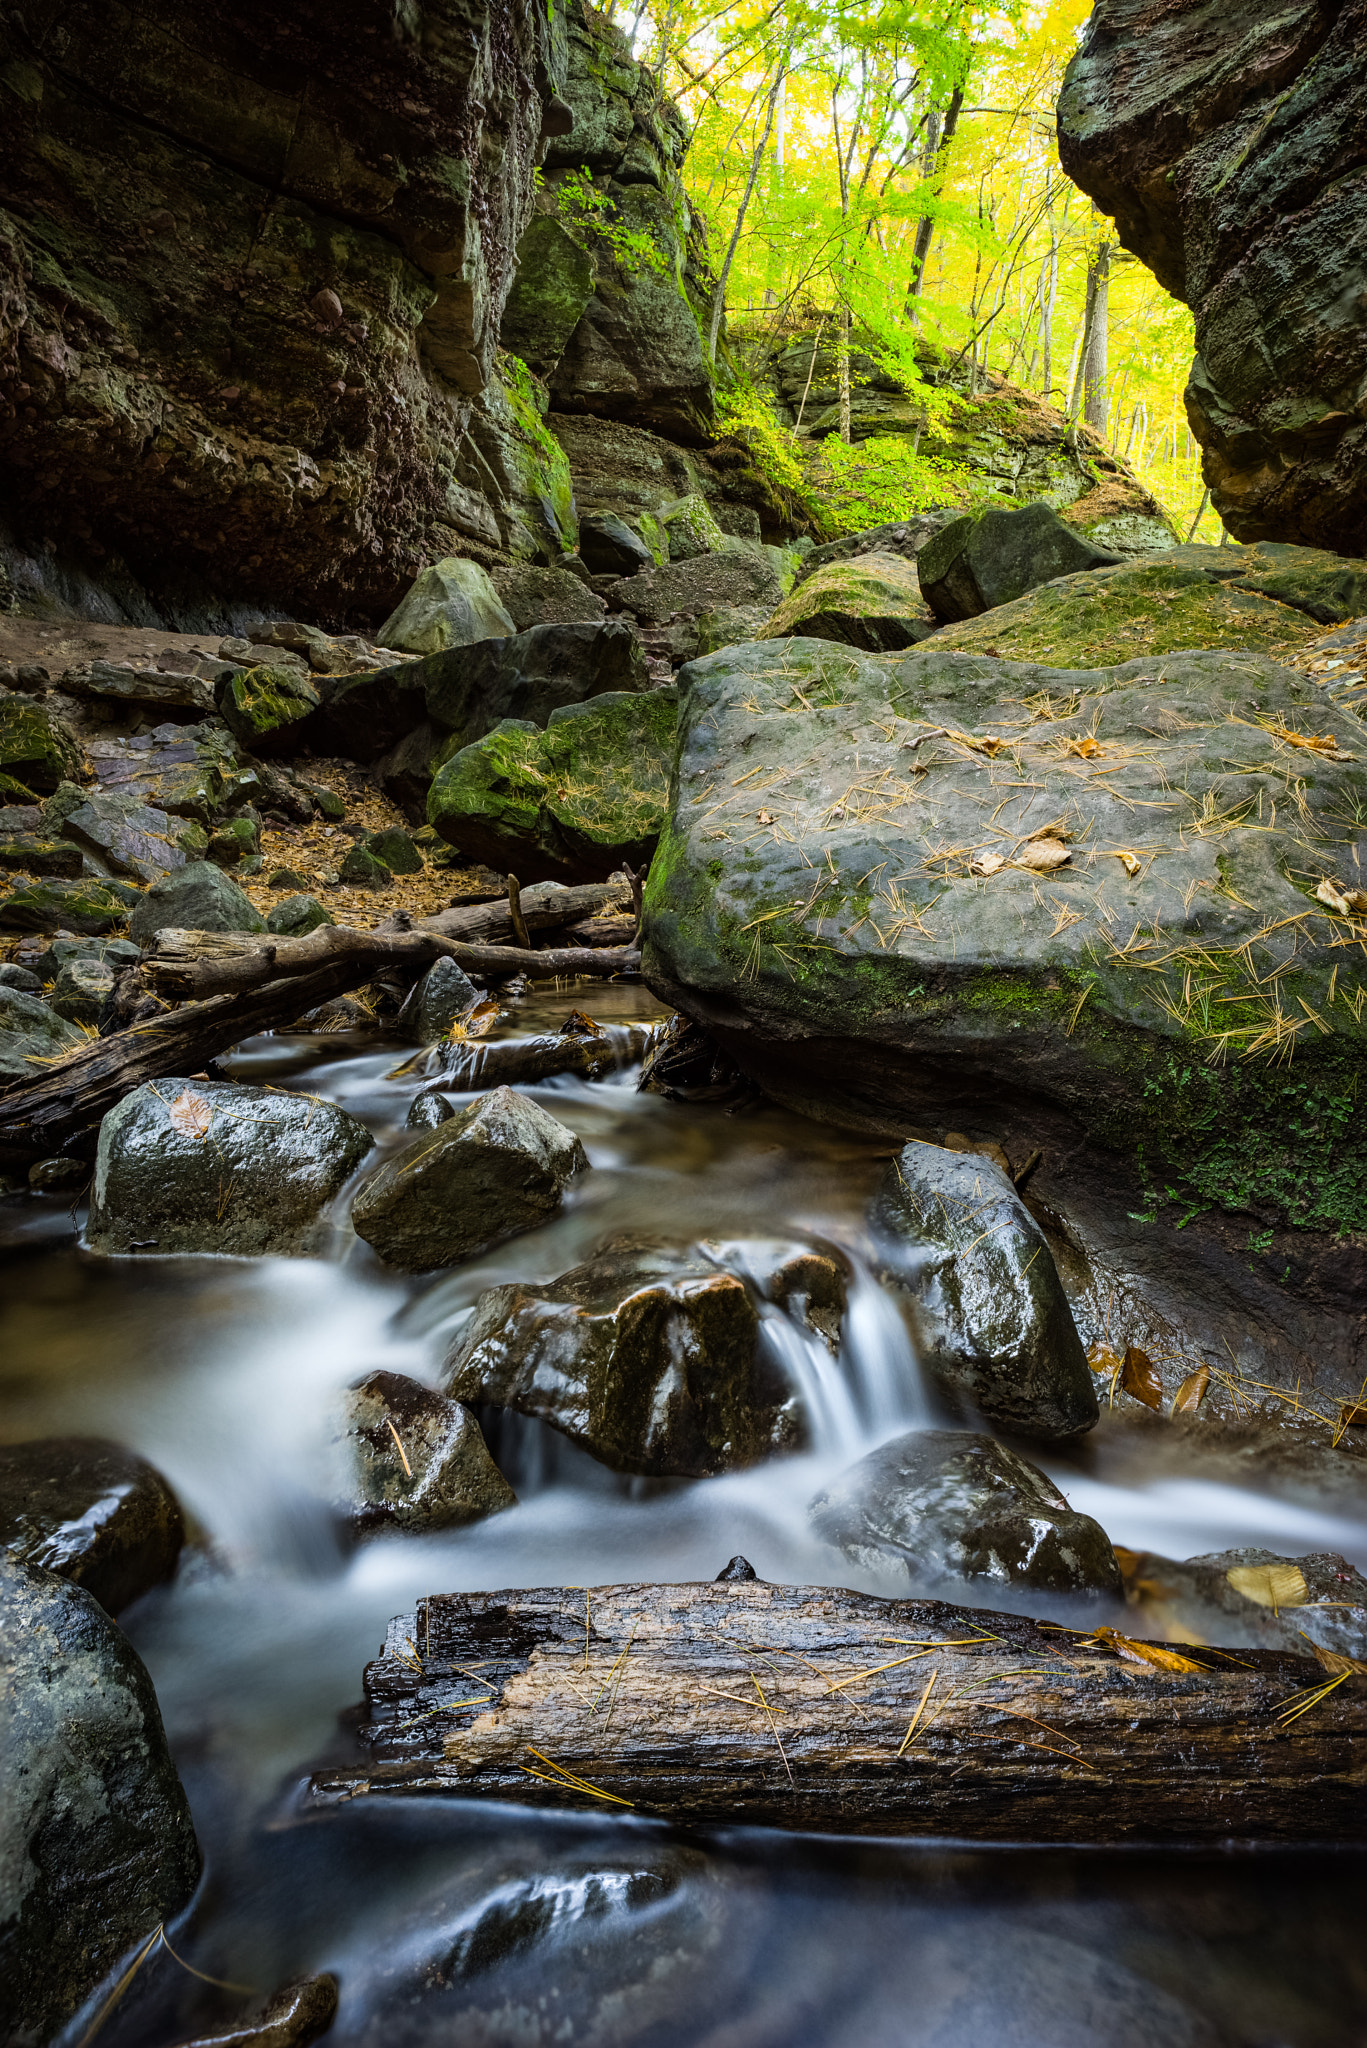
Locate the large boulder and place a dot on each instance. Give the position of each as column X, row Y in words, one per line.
column 201, row 1166
column 988, row 558
column 452, row 604
column 32, row 1036
column 188, row 771
column 267, row 708
column 121, row 835
column 535, row 596
column 740, row 577
column 945, row 1504
column 610, row 547
column 98, row 1845
column 201, row 898
column 647, row 1356
column 992, row 1321
column 91, row 1511
column 1054, row 908
column 871, row 601
column 1220, row 138
column 554, row 283
column 37, row 746
column 905, row 537
column 414, row 1460
column 53, row 905
column 498, row 1167
column 569, row 804
column 1267, row 600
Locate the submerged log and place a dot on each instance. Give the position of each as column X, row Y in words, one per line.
column 807, row 1707
column 468, row 1064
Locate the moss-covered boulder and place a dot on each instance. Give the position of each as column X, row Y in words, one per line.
column 32, row 1036
column 1110, row 915
column 554, row 283
column 1269, row 599
column 452, row 604
column 691, row 529
column 37, row 747
column 83, row 906
column 989, row 557
column 871, row 601
column 265, row 708
column 295, row 916
column 571, row 803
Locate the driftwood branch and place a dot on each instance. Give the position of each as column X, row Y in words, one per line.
column 803, row 1707
column 194, row 965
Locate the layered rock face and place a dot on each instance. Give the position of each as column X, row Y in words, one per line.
column 252, row 268
column 1225, row 137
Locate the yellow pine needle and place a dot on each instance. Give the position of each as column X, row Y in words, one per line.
column 773, row 1728
column 920, row 1709
column 1299, row 1704
column 399, row 1447
column 563, row 1777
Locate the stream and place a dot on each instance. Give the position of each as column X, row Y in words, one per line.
column 498, row 1926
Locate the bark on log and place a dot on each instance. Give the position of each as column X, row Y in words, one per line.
column 543, row 906
column 807, row 1707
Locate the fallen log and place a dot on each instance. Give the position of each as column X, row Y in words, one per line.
column 543, row 906
column 195, row 965
column 808, row 1707
column 470, row 1064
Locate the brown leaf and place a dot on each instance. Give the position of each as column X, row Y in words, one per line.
column 1192, row 1391
column 1347, row 902
column 986, row 744
column 1270, row 1585
column 190, row 1115
column 1130, row 861
column 477, row 1019
column 1042, row 856
column 1352, row 1416
column 986, row 863
column 765, row 817
column 1144, row 1653
column 1086, row 748
column 1315, row 743
column 1102, row 1359
column 1139, row 1377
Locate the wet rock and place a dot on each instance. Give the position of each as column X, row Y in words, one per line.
column 534, row 596
column 198, row 1166
column 99, row 1843
column 58, row 1177
column 396, row 850
column 32, row 1036
column 434, row 1003
column 361, row 870
column 90, row 1511
column 82, row 989
column 55, row 905
column 292, row 2017
column 452, row 604
column 570, row 804
column 415, row 1460
column 611, row 547
column 126, row 837
column 870, row 601
column 647, row 1356
column 37, row 746
column 945, row 1504
column 993, row 1323
column 684, row 1063
column 428, row 1109
column 499, row 1166
column 266, row 708
column 295, row 916
column 35, row 854
column 201, row 898
column 737, row 1568
column 1250, row 1597
column 989, row 558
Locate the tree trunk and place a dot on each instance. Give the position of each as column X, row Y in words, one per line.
column 719, row 291
column 925, row 227
column 1094, row 396
column 748, row 1704
column 842, row 371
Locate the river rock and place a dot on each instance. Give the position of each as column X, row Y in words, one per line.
column 870, row 601
column 201, row 898
column 55, row 905
column 988, row 558
column 570, row 804
column 37, row 746
column 449, row 1478
column 126, row 837
column 428, row 1108
column 82, row 989
column 99, row 1844
column 199, row 1166
column 1263, row 600
column 945, row 1504
column 610, row 547
column 992, row 1321
column 452, row 604
column 91, row 1511
column 294, row 917
column 499, row 1166
column 647, row 1356
column 266, row 708
column 32, row 1035
column 292, row 2017
column 1218, row 144
column 434, row 1003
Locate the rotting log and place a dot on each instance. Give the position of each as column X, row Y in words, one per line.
column 543, row 905
column 807, row 1707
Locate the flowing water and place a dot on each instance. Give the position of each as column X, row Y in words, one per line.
column 493, row 1926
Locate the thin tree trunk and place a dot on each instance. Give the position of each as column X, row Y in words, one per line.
column 925, row 229
column 842, row 365
column 1095, row 408
column 719, row 293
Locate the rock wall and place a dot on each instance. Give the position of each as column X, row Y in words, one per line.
column 1229, row 141
column 252, row 267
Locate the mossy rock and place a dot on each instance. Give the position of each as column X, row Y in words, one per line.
column 32, row 1036
column 295, row 916
column 554, row 283
column 265, row 708
column 82, row 906
column 38, row 750
column 14, row 792
column 571, row 803
column 870, row 601
column 396, row 850
column 363, row 870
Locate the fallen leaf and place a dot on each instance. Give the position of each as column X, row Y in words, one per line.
column 1351, row 1416
column 1086, row 748
column 1192, row 1391
column 987, row 744
column 1144, row 1653
column 1139, row 1377
column 190, row 1115
column 986, row 863
column 765, row 817
column 1102, row 1359
column 1347, row 902
column 1042, row 856
column 1129, row 861
column 1270, row 1585
column 1313, row 742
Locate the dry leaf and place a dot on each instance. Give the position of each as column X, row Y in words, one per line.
column 1139, row 1377
column 1086, row 749
column 1347, row 902
column 190, row 1115
column 1270, row 1585
column 986, row 863
column 987, row 744
column 1192, row 1391
column 1144, row 1653
column 476, row 1019
column 1315, row 743
column 1102, row 1359
column 1130, row 861
column 1351, row 1416
column 1042, row 856
column 765, row 817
